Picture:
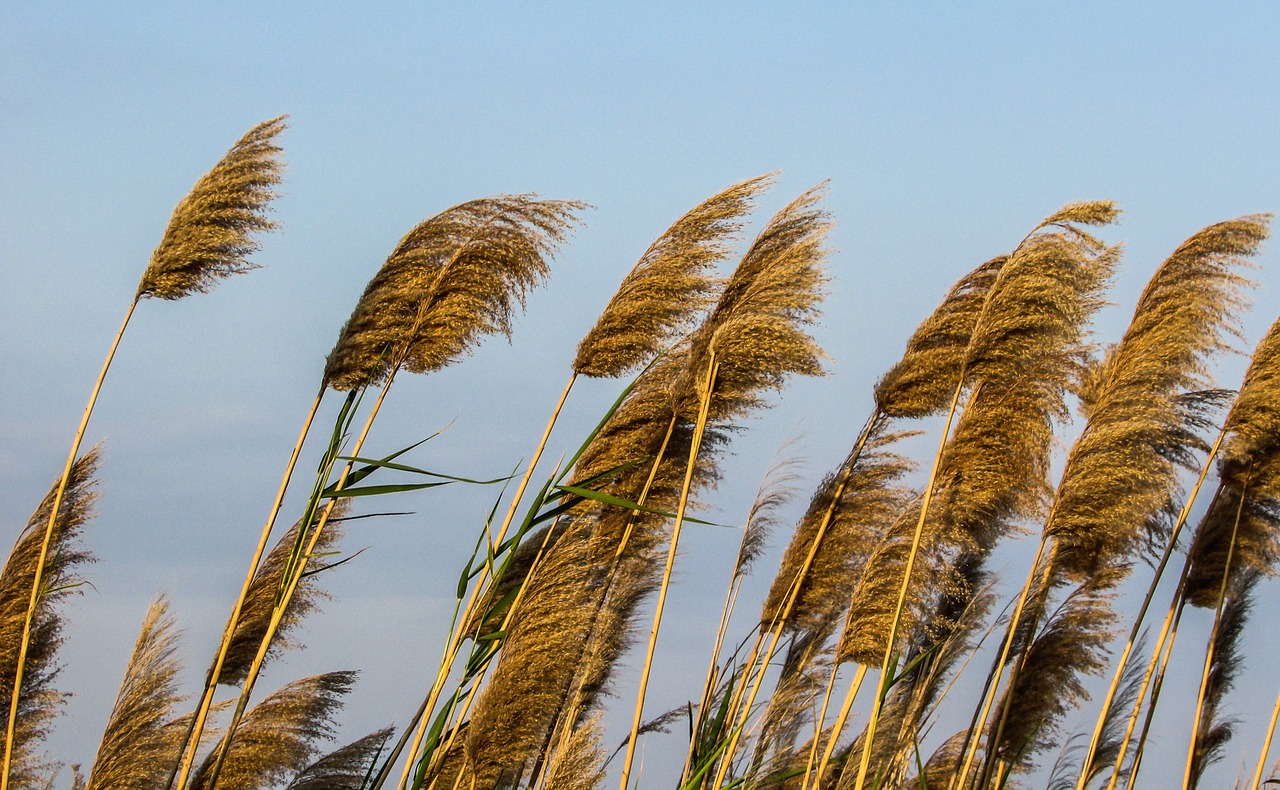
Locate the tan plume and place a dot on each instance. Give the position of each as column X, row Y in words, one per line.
column 452, row 279
column 210, row 235
column 668, row 286
column 1141, row 424
column 280, row 735
column 139, row 745
column 255, row 615
column 345, row 768
column 869, row 500
column 39, row 700
column 923, row 381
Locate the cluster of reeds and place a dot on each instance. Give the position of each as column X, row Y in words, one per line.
column 885, row 575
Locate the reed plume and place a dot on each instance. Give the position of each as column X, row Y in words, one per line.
column 140, row 742
column 1024, row 353
column 255, row 615
column 452, row 279
column 511, row 718
column 210, row 235
column 345, row 768
column 670, row 284
column 38, row 699
column 1247, row 531
column 278, row 738
column 869, row 498
column 579, row 764
column 1137, row 437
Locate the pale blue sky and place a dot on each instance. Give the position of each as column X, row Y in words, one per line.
column 947, row 131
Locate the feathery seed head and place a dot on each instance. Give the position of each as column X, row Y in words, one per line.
column 280, row 735
column 923, row 381
column 39, row 700
column 210, row 235
column 756, row 332
column 1119, row 488
column 668, row 286
column 139, row 746
column 260, row 600
column 452, row 279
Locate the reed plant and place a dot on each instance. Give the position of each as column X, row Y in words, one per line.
column 888, row 568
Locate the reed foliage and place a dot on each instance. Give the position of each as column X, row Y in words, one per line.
column 885, row 568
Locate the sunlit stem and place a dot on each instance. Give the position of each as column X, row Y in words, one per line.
column 793, row 593
column 886, row 669
column 37, row 580
column 1110, row 696
column 704, row 408
column 1213, row 636
column 291, row 585
column 195, row 729
column 420, row 721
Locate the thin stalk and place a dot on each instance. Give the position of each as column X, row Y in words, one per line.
column 1156, row 686
column 1155, row 670
column 793, row 593
column 38, row 578
column 709, row 683
column 564, row 720
column 291, row 585
column 821, row 719
column 419, row 722
column 703, row 409
column 837, row 727
column 1213, row 635
column 886, row 674
column 1178, row 525
column 1266, row 746
column 191, row 742
column 994, row 741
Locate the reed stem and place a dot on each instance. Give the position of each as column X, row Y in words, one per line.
column 841, row 718
column 1266, row 746
column 291, row 585
column 195, row 729
column 703, row 409
column 886, row 674
column 38, row 577
column 1213, row 636
column 1112, row 689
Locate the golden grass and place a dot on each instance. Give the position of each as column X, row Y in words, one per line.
column 875, row 573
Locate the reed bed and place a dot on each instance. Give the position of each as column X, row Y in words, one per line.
column 887, row 651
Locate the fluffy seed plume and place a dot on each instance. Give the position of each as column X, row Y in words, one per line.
column 665, row 289
column 255, row 616
column 1142, row 421
column 39, row 701
column 580, row 764
column 452, row 279
column 516, row 710
column 1249, row 469
column 757, row 331
column 345, row 768
column 140, row 744
column 210, row 235
column 279, row 736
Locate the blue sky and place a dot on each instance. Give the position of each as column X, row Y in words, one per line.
column 946, row 130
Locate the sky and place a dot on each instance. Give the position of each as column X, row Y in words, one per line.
column 946, row 132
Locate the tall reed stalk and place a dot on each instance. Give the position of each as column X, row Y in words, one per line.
column 208, row 237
